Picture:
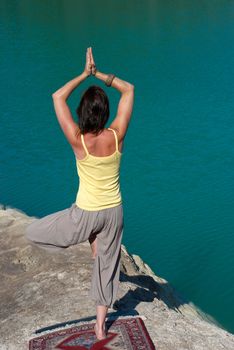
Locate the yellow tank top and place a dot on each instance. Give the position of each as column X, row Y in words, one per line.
column 99, row 186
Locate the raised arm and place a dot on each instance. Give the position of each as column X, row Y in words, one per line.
column 62, row 110
column 125, row 106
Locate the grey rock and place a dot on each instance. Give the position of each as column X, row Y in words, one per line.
column 39, row 289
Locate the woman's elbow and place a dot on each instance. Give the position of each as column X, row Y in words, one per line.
column 131, row 87
column 58, row 94
column 55, row 95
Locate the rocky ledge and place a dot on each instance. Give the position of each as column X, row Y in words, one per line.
column 39, row 289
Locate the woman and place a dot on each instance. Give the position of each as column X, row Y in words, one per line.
column 97, row 213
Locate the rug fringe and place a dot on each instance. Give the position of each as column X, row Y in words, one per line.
column 74, row 324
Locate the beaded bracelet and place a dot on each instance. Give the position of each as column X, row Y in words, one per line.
column 109, row 79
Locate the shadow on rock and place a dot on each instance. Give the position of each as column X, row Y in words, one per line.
column 148, row 289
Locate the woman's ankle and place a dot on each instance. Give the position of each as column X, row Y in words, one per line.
column 101, row 326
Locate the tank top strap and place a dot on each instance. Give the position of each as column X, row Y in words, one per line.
column 116, row 139
column 83, row 143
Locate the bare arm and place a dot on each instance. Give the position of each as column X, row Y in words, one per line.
column 62, row 110
column 125, row 106
column 65, row 91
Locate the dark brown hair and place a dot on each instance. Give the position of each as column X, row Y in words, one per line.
column 93, row 110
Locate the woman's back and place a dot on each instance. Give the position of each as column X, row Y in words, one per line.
column 100, row 145
column 98, row 173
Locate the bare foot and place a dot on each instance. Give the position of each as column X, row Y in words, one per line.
column 100, row 333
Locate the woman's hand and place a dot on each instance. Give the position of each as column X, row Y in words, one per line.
column 90, row 67
column 88, row 64
column 93, row 69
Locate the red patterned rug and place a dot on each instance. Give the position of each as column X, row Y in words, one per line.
column 123, row 334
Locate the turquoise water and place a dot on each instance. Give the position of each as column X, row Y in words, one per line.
column 177, row 170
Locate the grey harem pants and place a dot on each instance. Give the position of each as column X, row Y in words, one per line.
column 75, row 225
